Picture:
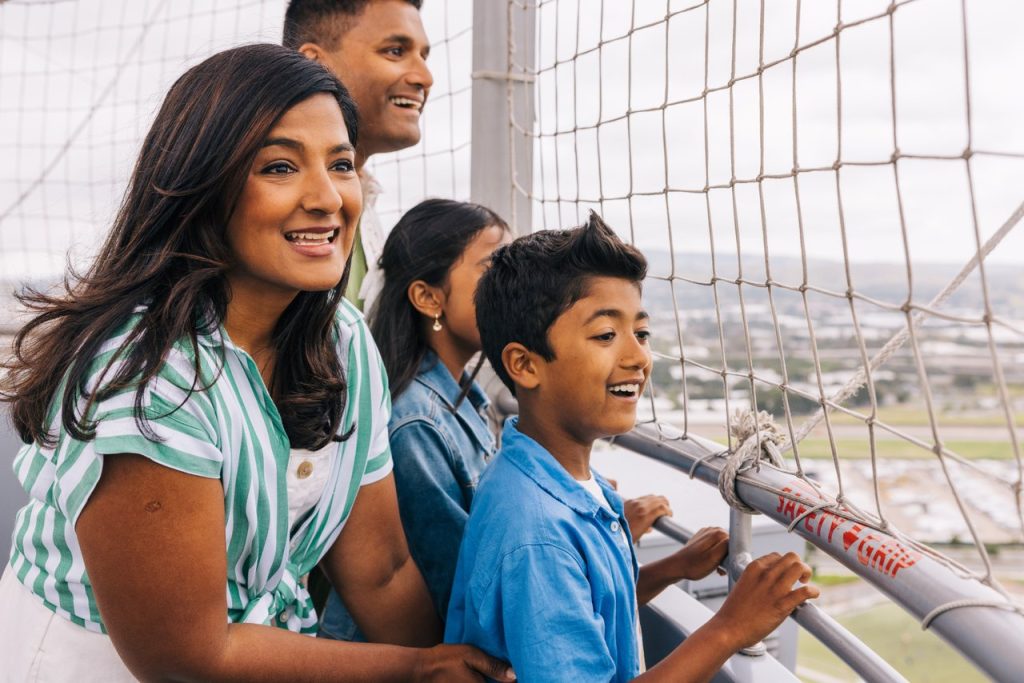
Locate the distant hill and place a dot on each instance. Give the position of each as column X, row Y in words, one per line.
column 887, row 282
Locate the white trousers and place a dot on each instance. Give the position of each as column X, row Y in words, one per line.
column 39, row 646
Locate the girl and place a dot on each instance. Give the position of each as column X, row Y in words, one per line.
column 206, row 418
column 425, row 324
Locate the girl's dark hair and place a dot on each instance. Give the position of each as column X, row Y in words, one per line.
column 424, row 245
column 167, row 251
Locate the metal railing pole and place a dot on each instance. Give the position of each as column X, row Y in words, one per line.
column 973, row 618
column 741, row 539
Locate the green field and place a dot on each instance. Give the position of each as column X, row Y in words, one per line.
column 919, row 655
column 910, row 416
column 814, row 448
column 817, row 448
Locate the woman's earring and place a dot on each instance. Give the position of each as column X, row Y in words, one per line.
column 437, row 327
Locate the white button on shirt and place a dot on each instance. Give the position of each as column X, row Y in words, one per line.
column 594, row 489
column 308, row 472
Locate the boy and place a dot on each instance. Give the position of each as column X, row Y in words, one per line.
column 546, row 577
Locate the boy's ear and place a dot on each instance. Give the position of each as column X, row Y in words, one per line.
column 521, row 365
column 426, row 299
column 314, row 52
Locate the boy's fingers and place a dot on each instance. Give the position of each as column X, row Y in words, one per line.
column 762, row 565
column 800, row 596
column 784, row 566
column 490, row 666
column 798, row 571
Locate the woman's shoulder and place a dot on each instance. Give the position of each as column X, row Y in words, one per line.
column 179, row 359
column 353, row 333
column 348, row 316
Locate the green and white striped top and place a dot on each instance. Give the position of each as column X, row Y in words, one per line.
column 230, row 431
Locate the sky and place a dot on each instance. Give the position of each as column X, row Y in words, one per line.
column 624, row 120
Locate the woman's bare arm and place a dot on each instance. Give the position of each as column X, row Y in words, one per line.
column 378, row 581
column 153, row 543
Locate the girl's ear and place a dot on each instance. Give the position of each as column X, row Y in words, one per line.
column 426, row 299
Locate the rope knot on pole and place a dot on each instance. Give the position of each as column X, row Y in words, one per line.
column 758, row 438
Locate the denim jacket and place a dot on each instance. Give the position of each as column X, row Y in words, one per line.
column 439, row 454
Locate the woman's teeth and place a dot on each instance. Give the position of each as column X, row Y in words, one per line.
column 311, row 238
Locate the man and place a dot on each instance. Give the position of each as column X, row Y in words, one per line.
column 378, row 48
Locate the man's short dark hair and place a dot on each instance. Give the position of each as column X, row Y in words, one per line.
column 317, row 21
column 536, row 278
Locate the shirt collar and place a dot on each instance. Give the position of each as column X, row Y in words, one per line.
column 435, row 376
column 539, row 465
column 370, row 186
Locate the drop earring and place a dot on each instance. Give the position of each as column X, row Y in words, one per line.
column 437, row 327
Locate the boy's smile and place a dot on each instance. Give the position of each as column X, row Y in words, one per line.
column 602, row 361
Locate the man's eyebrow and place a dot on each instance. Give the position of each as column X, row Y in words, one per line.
column 298, row 146
column 405, row 41
column 614, row 313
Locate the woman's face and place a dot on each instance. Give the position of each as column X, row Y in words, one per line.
column 295, row 221
column 459, row 309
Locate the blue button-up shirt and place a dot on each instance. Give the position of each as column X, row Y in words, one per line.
column 546, row 578
column 439, row 452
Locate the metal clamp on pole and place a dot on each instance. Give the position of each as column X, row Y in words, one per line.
column 503, row 76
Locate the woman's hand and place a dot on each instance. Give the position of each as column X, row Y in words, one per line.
column 458, row 663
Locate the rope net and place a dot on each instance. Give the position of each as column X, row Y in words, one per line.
column 80, row 81
column 824, row 193
column 827, row 193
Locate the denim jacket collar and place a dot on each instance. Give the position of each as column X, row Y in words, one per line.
column 539, row 465
column 435, row 376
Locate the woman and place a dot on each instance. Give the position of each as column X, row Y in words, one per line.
column 203, row 405
column 425, row 324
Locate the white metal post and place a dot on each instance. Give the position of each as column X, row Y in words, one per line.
column 501, row 167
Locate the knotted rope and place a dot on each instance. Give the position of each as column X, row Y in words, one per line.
column 759, row 438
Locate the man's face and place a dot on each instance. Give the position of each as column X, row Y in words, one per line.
column 381, row 59
column 602, row 361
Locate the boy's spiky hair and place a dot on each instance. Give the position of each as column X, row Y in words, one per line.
column 316, row 21
column 536, row 278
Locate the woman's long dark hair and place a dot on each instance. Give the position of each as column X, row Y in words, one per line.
column 167, row 251
column 425, row 243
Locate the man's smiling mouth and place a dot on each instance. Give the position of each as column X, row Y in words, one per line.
column 406, row 103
